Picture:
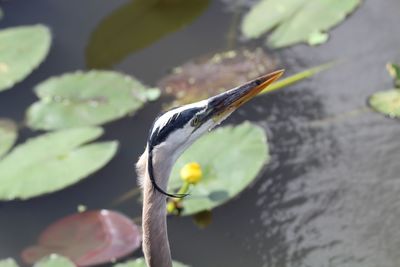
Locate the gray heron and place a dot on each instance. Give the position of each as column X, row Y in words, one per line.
column 170, row 135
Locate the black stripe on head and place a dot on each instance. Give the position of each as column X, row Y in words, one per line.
column 157, row 136
column 153, row 180
column 176, row 121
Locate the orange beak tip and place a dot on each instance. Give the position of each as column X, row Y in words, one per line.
column 270, row 78
column 277, row 74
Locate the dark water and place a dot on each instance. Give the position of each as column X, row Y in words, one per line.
column 329, row 197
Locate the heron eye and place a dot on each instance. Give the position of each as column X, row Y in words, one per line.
column 195, row 122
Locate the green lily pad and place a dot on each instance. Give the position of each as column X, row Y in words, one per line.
column 54, row 260
column 8, row 263
column 295, row 21
column 140, row 262
column 230, row 157
column 394, row 71
column 86, row 98
column 137, row 25
column 22, row 50
column 386, row 102
column 8, row 135
column 52, row 161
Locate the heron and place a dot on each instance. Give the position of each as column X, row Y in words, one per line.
column 170, row 135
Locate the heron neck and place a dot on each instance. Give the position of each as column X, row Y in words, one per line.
column 154, row 221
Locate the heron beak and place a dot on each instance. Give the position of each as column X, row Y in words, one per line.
column 227, row 102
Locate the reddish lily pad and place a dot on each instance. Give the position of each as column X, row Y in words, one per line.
column 141, row 262
column 87, row 238
column 210, row 75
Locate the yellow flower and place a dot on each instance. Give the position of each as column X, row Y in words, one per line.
column 191, row 173
column 170, row 207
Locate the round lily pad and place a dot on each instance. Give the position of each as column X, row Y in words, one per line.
column 212, row 74
column 86, row 98
column 386, row 102
column 87, row 238
column 22, row 49
column 8, row 263
column 230, row 158
column 8, row 135
column 142, row 263
column 52, row 161
column 54, row 260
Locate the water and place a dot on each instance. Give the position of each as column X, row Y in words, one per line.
column 329, row 197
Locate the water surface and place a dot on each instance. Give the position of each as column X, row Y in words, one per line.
column 329, row 197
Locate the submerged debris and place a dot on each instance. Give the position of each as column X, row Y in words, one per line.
column 210, row 75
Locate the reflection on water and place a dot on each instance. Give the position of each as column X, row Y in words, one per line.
column 332, row 197
column 137, row 25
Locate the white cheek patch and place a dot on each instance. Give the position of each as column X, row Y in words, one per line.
column 177, row 142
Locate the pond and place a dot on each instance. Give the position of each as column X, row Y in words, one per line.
column 328, row 197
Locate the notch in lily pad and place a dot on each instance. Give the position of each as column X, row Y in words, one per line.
column 22, row 49
column 53, row 161
column 295, row 21
column 8, row 135
column 86, row 99
column 225, row 171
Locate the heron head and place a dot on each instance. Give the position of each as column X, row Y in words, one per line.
column 177, row 129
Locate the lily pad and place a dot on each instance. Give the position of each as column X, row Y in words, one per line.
column 8, row 263
column 236, row 5
column 227, row 169
column 295, row 21
column 52, row 161
column 137, row 25
column 87, row 238
column 142, row 263
column 8, row 135
column 394, row 71
column 386, row 102
column 22, row 50
column 86, row 98
column 54, row 260
column 210, row 75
